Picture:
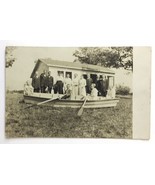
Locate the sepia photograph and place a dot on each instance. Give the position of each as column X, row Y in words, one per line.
column 67, row 92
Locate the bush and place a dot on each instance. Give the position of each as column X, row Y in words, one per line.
column 122, row 90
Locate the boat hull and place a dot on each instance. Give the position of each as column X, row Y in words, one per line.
column 72, row 103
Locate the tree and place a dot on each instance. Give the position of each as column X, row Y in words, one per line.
column 10, row 59
column 106, row 56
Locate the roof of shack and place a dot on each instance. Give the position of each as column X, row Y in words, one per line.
column 72, row 65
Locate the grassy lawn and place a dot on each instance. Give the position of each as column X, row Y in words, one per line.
column 43, row 121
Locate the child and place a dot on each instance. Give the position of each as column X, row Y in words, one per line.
column 28, row 89
column 94, row 92
column 68, row 91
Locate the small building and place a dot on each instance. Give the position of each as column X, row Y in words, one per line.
column 56, row 66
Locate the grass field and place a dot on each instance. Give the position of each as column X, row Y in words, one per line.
column 42, row 121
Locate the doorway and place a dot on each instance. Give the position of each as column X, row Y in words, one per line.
column 94, row 77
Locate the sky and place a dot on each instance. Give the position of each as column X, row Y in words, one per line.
column 22, row 68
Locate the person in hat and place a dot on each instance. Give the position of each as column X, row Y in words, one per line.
column 36, row 82
column 43, row 81
column 102, row 85
column 49, row 82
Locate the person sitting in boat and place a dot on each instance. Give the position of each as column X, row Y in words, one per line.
column 49, row 82
column 82, row 86
column 75, row 83
column 89, row 82
column 60, row 83
column 43, row 82
column 68, row 92
column 28, row 89
column 94, row 92
column 36, row 82
column 67, row 81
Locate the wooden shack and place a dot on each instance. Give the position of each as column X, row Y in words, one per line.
column 56, row 66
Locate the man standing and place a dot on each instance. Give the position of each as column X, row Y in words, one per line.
column 43, row 81
column 89, row 82
column 36, row 82
column 103, row 86
column 49, row 82
column 60, row 83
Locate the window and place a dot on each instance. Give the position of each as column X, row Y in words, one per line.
column 69, row 73
column 61, row 72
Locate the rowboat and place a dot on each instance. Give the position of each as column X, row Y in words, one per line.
column 101, row 102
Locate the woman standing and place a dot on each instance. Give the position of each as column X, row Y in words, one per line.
column 75, row 83
column 82, row 86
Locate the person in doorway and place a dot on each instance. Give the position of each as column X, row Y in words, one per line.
column 89, row 82
column 60, row 83
column 36, row 82
column 103, row 85
column 43, row 81
column 82, row 86
column 49, row 82
column 75, row 84
column 98, row 85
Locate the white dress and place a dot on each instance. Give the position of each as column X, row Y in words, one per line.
column 82, row 87
column 94, row 93
column 75, row 82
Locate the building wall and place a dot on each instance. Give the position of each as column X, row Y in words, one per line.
column 54, row 72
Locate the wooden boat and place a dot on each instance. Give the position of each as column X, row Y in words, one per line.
column 100, row 103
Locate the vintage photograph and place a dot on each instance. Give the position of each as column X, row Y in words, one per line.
column 69, row 92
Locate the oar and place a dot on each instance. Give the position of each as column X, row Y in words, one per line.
column 46, row 101
column 81, row 109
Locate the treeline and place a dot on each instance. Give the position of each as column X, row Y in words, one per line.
column 15, row 91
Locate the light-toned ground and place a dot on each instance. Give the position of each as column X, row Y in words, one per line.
column 42, row 121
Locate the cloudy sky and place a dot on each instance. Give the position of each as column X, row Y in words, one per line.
column 24, row 64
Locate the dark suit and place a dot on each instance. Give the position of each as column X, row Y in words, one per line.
column 102, row 87
column 36, row 83
column 43, row 82
column 89, row 82
column 49, row 83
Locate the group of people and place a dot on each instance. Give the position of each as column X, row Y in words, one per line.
column 78, row 86
column 42, row 83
